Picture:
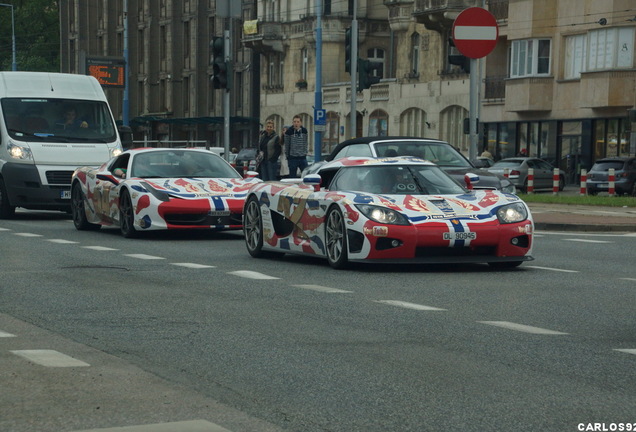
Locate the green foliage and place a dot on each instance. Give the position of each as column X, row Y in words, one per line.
column 37, row 35
column 595, row 200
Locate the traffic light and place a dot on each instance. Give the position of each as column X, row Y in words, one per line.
column 366, row 75
column 348, row 49
column 219, row 65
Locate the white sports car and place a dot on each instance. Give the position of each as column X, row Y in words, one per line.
column 157, row 189
column 387, row 210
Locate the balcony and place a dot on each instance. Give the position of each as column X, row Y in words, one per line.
column 607, row 89
column 266, row 37
column 400, row 14
column 439, row 15
column 494, row 88
column 529, row 94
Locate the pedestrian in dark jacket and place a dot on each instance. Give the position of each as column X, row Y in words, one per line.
column 296, row 146
column 269, row 146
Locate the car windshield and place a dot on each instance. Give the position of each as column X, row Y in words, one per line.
column 606, row 165
column 180, row 163
column 441, row 154
column 508, row 163
column 65, row 120
column 396, row 180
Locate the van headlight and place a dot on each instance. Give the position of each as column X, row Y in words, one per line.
column 17, row 151
column 512, row 213
column 382, row 215
column 115, row 151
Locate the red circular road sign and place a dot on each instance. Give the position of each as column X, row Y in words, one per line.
column 475, row 32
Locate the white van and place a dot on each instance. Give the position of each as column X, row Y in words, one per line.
column 42, row 142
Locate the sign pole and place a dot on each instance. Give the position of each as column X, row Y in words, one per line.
column 474, row 107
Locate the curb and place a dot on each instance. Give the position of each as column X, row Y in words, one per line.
column 548, row 226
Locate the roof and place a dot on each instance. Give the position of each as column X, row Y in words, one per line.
column 367, row 161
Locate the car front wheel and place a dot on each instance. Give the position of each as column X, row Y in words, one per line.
column 78, row 211
column 336, row 239
column 126, row 216
column 253, row 228
column 6, row 209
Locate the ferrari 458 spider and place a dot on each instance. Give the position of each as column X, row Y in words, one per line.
column 158, row 189
column 387, row 210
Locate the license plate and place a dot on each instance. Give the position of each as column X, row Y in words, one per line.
column 219, row 213
column 65, row 194
column 604, row 185
column 460, row 236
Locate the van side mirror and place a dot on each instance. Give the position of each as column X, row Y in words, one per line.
column 126, row 136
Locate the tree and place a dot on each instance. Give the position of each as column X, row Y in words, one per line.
column 37, row 35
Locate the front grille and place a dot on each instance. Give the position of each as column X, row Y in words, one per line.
column 59, row 177
column 203, row 219
column 455, row 251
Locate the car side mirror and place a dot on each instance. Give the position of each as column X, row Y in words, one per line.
column 313, row 180
column 471, row 180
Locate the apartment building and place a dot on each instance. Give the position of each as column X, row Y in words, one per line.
column 170, row 97
column 560, row 84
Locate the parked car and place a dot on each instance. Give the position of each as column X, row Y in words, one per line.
column 624, row 173
column 158, row 189
column 246, row 160
column 440, row 152
column 388, row 210
column 518, row 172
column 483, row 162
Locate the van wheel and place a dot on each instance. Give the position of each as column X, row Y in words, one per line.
column 6, row 209
column 78, row 211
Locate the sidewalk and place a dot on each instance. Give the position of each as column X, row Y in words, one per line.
column 563, row 217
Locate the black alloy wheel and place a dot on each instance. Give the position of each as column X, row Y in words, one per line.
column 78, row 210
column 336, row 239
column 126, row 215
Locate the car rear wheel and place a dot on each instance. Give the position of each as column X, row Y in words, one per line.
column 336, row 239
column 561, row 183
column 633, row 191
column 126, row 216
column 78, row 211
column 6, row 209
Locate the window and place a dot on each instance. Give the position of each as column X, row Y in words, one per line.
column 530, row 57
column 575, row 52
column 377, row 55
column 304, row 64
column 611, row 48
column 379, row 123
column 415, row 54
column 452, row 127
column 413, row 122
column 186, row 39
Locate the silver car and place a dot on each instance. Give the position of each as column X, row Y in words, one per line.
column 517, row 168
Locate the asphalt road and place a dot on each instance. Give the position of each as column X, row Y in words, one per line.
column 189, row 328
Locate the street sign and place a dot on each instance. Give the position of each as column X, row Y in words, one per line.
column 475, row 32
column 320, row 120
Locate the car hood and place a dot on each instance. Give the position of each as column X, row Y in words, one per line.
column 190, row 188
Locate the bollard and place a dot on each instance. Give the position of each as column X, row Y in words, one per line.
column 583, row 182
column 530, row 181
column 555, row 181
column 611, row 178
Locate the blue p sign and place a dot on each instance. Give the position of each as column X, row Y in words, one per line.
column 320, row 117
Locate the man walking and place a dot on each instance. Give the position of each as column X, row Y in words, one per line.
column 296, row 145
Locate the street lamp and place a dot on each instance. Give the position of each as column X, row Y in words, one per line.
column 14, row 66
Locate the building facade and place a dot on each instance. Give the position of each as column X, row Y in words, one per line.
column 170, row 97
column 560, row 83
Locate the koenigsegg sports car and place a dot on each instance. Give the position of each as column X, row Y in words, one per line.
column 400, row 209
column 157, row 189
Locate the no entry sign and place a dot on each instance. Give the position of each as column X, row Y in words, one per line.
column 475, row 32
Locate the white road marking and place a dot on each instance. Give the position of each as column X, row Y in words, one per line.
column 99, row 248
column 28, row 235
column 587, row 241
column 182, row 426
column 628, row 351
column 193, row 265
column 552, row 269
column 5, row 229
column 628, row 279
column 49, row 358
column 522, row 328
column 4, row 334
column 324, row 289
column 144, row 256
column 407, row 305
column 251, row 274
column 62, row 241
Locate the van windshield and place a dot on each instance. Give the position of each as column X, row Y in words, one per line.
column 65, row 120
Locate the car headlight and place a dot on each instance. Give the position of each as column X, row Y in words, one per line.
column 19, row 151
column 115, row 151
column 160, row 195
column 382, row 215
column 512, row 213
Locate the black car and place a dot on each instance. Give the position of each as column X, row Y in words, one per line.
column 624, row 175
column 440, row 152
